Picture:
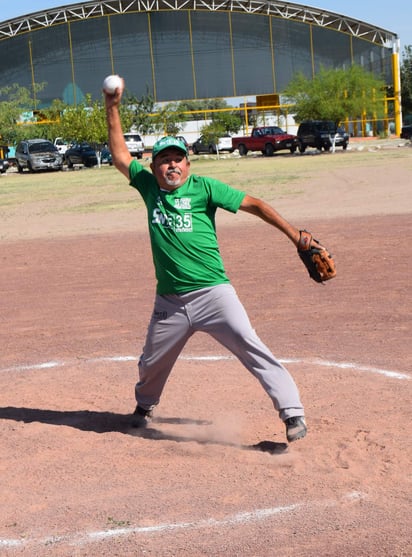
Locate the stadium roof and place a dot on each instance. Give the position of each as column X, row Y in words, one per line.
column 285, row 10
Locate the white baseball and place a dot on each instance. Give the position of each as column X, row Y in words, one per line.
column 111, row 83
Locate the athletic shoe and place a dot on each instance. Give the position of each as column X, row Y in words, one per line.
column 295, row 428
column 141, row 417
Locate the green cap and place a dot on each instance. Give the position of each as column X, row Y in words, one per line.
column 166, row 143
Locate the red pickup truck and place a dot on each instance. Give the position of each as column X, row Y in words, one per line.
column 266, row 139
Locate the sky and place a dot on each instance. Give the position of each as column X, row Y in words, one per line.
column 393, row 16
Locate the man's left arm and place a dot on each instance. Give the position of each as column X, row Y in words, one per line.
column 317, row 260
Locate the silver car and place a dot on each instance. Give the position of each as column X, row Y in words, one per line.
column 38, row 154
column 201, row 145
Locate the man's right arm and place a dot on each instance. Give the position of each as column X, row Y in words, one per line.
column 118, row 148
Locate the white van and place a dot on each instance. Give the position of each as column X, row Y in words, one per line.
column 134, row 144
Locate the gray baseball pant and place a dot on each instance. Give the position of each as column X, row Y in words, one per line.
column 218, row 311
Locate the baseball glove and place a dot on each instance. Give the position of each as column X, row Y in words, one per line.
column 317, row 260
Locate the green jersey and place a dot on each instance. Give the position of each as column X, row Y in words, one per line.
column 182, row 229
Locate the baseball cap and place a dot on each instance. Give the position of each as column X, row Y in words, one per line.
column 166, row 143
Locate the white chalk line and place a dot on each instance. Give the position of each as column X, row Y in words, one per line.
column 307, row 361
column 241, row 518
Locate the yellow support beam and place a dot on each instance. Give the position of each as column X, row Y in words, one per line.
column 396, row 74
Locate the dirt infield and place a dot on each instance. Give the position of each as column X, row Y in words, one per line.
column 213, row 474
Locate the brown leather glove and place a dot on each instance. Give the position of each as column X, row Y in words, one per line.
column 317, row 260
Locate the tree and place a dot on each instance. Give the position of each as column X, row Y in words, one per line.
column 212, row 131
column 202, row 109
column 87, row 121
column 169, row 119
column 406, row 81
column 230, row 122
column 14, row 102
column 53, row 114
column 140, row 111
column 336, row 94
column 224, row 122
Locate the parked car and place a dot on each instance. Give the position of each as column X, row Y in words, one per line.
column 37, row 154
column 183, row 140
column 201, row 145
column 106, row 156
column 406, row 132
column 135, row 144
column 61, row 145
column 80, row 153
column 320, row 134
column 267, row 139
column 4, row 165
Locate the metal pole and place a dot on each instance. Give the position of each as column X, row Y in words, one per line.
column 396, row 72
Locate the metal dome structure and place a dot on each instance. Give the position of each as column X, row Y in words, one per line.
column 185, row 49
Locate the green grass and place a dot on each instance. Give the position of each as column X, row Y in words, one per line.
column 102, row 207
column 104, row 189
column 84, row 191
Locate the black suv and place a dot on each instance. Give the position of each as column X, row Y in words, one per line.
column 320, row 134
column 406, row 132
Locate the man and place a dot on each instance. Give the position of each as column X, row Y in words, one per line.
column 193, row 292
